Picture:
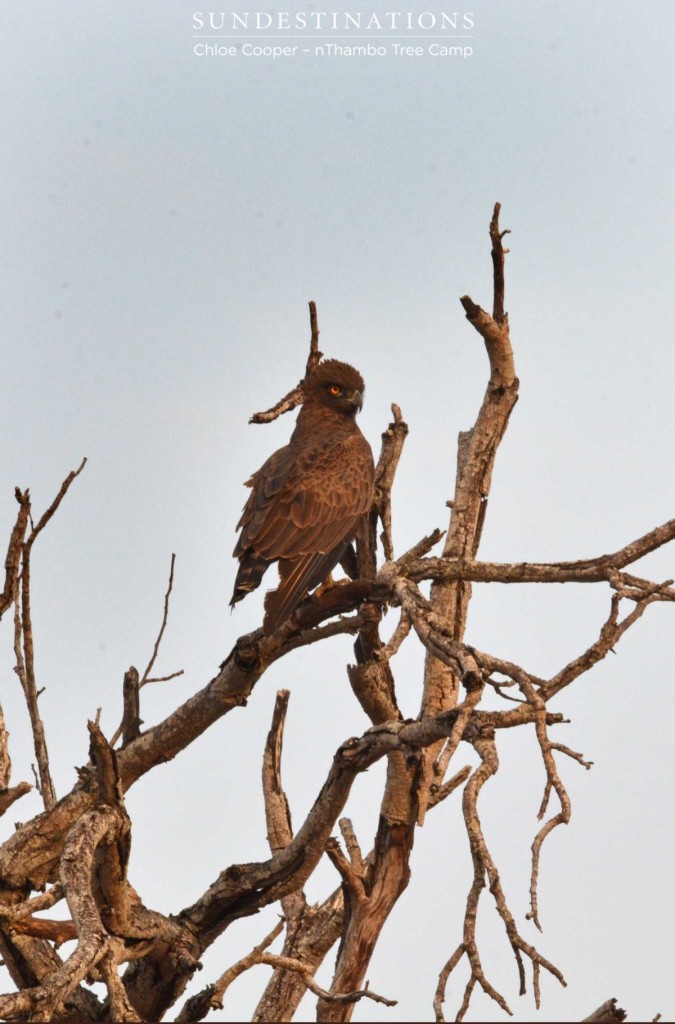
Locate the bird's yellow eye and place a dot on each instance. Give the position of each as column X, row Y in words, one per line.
column 335, row 389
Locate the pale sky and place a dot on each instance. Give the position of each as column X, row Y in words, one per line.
column 166, row 218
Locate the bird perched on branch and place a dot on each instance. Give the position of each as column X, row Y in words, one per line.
column 308, row 500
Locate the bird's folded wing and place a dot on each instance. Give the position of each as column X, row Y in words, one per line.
column 308, row 501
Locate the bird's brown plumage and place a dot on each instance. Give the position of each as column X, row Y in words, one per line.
column 308, row 499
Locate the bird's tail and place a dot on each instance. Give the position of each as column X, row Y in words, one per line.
column 251, row 570
column 297, row 577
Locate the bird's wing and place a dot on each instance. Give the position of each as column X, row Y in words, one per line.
column 265, row 486
column 297, row 577
column 308, row 500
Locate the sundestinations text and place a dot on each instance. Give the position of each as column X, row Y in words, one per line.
column 332, row 21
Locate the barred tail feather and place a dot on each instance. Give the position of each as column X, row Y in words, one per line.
column 251, row 570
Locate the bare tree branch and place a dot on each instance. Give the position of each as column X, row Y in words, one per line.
column 8, row 795
column 76, row 871
column 165, row 617
column 25, row 670
column 484, row 867
column 131, row 717
column 14, row 549
column 610, row 634
column 84, row 839
column 213, row 996
column 498, row 253
column 314, row 357
column 19, row 584
column 284, row 991
column 602, row 568
column 608, row 1012
column 47, row 515
column 289, row 964
column 119, row 1006
column 393, row 440
column 296, row 395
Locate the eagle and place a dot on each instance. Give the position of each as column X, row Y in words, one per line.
column 309, row 498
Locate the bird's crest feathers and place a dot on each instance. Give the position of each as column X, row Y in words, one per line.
column 333, row 371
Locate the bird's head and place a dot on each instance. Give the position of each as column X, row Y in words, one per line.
column 336, row 385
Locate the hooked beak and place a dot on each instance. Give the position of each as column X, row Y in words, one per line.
column 356, row 399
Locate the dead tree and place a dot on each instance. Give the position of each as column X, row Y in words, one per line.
column 77, row 849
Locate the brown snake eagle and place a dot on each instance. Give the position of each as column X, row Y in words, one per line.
column 309, row 498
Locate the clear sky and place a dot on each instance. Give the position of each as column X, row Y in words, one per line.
column 166, row 217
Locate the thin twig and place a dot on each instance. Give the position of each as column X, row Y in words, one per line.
column 288, row 964
column 165, row 617
column 165, row 679
column 130, row 726
column 258, row 955
column 23, row 627
column 47, row 515
column 610, row 634
column 553, row 782
column 25, row 670
column 242, row 965
column 571, row 753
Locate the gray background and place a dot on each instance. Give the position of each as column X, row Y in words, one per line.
column 165, row 220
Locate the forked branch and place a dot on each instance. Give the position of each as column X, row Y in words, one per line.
column 296, row 395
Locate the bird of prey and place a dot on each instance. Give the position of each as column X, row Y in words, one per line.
column 309, row 498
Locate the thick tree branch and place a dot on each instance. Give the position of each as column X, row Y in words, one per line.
column 77, row 863
column 31, row 853
column 131, row 716
column 477, row 451
column 30, row 856
column 607, row 1013
column 586, row 570
column 243, row 889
